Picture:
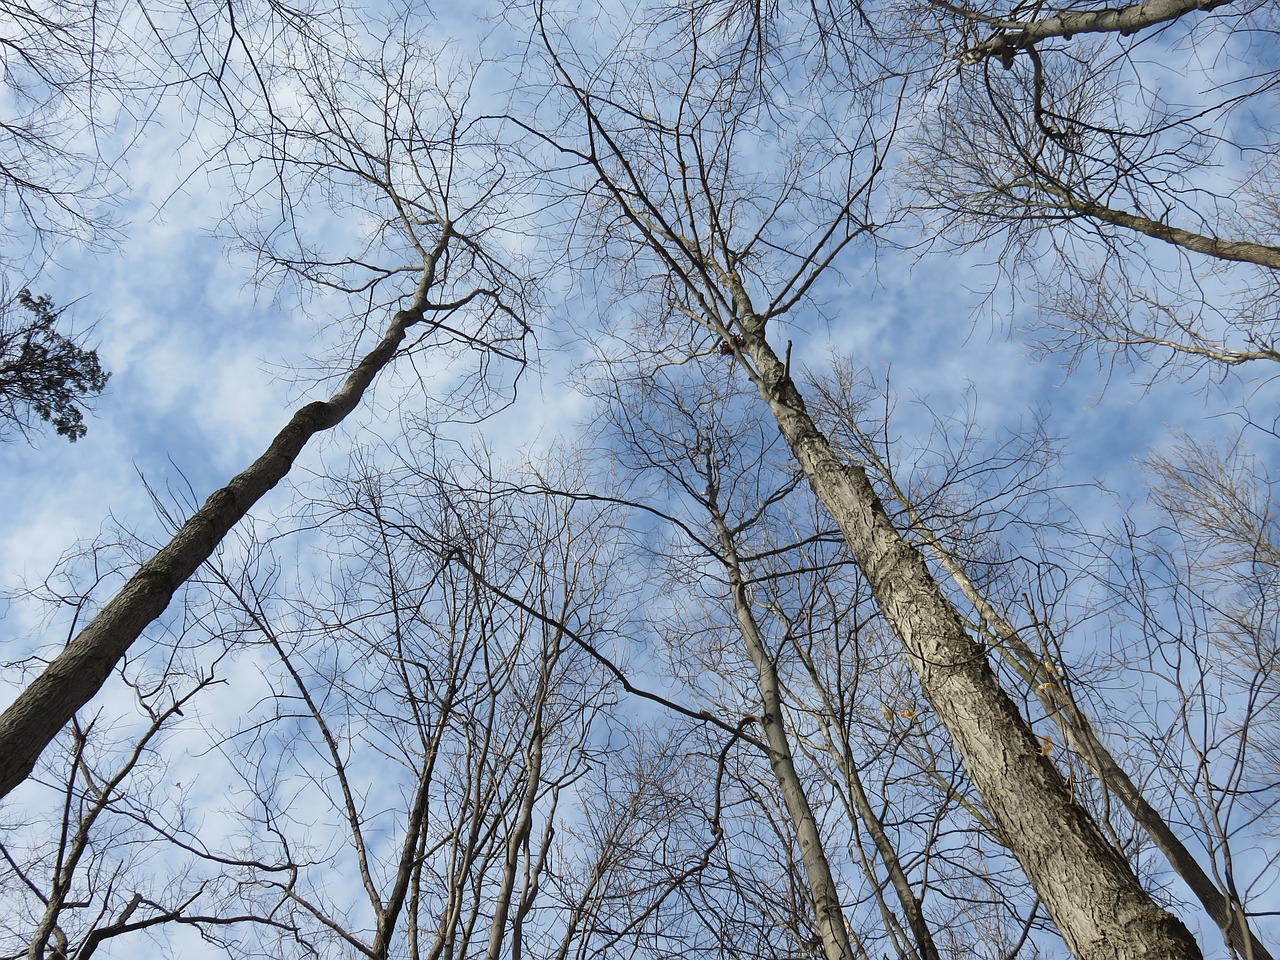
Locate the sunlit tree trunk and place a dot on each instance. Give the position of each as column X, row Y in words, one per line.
column 1095, row 899
column 1078, row 731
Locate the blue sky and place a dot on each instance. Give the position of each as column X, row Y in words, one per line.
column 206, row 367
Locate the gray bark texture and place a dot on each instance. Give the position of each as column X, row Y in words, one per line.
column 1127, row 20
column 76, row 674
column 1240, row 251
column 1079, row 733
column 1094, row 898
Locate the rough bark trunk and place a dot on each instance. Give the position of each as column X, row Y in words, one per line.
column 76, row 674
column 1094, row 898
column 1078, row 731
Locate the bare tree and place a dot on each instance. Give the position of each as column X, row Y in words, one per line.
column 1059, row 142
column 816, row 674
column 120, row 852
column 707, row 237
column 1205, row 621
column 1034, row 652
column 59, row 71
column 438, row 208
column 866, row 730
column 441, row 714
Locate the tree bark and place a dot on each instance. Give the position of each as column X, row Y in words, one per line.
column 1078, row 731
column 1127, row 20
column 821, row 882
column 76, row 674
column 1093, row 896
column 1239, row 251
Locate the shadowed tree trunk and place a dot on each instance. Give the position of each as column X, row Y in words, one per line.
column 77, row 673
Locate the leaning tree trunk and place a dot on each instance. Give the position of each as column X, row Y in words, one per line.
column 76, row 674
column 1096, row 901
column 1077, row 729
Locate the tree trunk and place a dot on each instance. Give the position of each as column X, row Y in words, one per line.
column 1096, row 901
column 76, row 674
column 1079, row 733
column 821, row 882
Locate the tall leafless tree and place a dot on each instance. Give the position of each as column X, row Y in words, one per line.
column 703, row 240
column 451, row 290
column 885, row 668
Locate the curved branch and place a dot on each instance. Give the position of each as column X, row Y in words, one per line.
column 1122, row 20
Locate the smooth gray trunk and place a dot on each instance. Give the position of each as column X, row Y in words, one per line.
column 822, row 885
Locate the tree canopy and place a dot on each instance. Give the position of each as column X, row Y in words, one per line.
column 44, row 373
column 659, row 542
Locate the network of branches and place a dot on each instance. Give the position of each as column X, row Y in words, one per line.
column 724, row 650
